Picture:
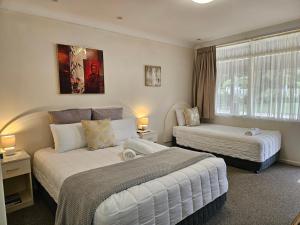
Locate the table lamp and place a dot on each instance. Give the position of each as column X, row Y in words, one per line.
column 143, row 123
column 8, row 143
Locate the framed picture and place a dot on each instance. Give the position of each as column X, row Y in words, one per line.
column 153, row 76
column 81, row 70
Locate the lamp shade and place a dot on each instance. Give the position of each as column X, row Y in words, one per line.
column 8, row 141
column 143, row 123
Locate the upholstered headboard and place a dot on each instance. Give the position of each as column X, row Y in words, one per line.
column 32, row 127
column 171, row 121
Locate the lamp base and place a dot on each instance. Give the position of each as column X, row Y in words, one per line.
column 143, row 131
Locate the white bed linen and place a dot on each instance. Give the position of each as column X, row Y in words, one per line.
column 230, row 141
column 162, row 201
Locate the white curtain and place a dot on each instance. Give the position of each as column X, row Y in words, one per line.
column 260, row 78
column 233, row 67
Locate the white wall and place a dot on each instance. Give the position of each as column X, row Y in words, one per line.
column 29, row 73
column 290, row 134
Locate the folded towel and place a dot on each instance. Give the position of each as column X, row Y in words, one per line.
column 253, row 132
column 128, row 154
column 138, row 146
column 141, row 146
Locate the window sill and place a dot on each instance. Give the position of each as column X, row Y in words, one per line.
column 256, row 118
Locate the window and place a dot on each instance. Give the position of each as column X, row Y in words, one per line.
column 260, row 78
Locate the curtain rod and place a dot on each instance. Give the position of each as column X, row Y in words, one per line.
column 259, row 38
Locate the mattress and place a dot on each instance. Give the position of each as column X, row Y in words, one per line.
column 162, row 201
column 229, row 141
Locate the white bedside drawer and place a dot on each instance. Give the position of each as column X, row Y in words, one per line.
column 16, row 168
column 17, row 180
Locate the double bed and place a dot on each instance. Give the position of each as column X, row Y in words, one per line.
column 253, row 153
column 187, row 195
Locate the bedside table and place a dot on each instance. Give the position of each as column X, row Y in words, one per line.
column 150, row 136
column 16, row 172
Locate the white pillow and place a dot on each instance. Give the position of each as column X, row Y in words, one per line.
column 124, row 129
column 180, row 117
column 68, row 137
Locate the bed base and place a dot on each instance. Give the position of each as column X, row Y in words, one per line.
column 40, row 192
column 200, row 217
column 255, row 167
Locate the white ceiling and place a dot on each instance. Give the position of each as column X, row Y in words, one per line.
column 179, row 22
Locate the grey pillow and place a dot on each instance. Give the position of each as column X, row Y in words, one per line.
column 70, row 116
column 107, row 113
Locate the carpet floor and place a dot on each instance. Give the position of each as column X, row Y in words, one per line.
column 269, row 198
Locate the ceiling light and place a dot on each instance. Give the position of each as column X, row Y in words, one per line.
column 202, row 1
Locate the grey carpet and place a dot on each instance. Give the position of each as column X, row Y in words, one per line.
column 38, row 214
column 269, row 198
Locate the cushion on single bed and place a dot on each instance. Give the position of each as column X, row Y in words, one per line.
column 114, row 113
column 70, row 116
column 192, row 117
column 98, row 133
column 68, row 137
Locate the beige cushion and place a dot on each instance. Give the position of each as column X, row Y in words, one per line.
column 192, row 117
column 98, row 133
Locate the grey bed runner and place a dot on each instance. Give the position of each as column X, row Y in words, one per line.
column 82, row 193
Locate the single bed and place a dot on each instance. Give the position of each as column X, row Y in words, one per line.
column 186, row 196
column 253, row 153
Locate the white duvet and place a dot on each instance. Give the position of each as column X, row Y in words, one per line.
column 229, row 141
column 163, row 201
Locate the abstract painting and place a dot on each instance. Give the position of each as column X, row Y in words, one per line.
column 80, row 70
column 153, row 76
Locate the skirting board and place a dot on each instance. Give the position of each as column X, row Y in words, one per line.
column 289, row 162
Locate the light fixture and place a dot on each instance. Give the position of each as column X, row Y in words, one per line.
column 143, row 123
column 202, row 1
column 8, row 143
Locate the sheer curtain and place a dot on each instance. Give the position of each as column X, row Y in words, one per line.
column 233, row 69
column 260, row 78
